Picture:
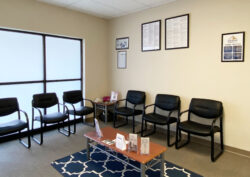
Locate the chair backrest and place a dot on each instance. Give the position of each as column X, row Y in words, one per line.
column 167, row 102
column 136, row 97
column 206, row 108
column 8, row 106
column 44, row 100
column 73, row 96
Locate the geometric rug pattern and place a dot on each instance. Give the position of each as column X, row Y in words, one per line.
column 104, row 165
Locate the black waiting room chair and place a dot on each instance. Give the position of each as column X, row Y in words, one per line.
column 135, row 98
column 202, row 109
column 163, row 102
column 74, row 97
column 9, row 106
column 44, row 101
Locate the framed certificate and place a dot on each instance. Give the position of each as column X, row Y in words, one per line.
column 121, row 59
column 232, row 49
column 177, row 32
column 151, row 36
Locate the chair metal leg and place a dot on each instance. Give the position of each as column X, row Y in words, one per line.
column 89, row 124
column 215, row 157
column 64, row 132
column 133, row 124
column 168, row 137
column 212, row 147
column 221, row 141
column 114, row 121
column 74, row 126
column 27, row 145
column 177, row 146
column 40, row 142
column 150, row 133
column 94, row 119
column 142, row 127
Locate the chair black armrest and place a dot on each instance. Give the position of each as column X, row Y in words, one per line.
column 181, row 113
column 145, row 107
column 67, row 110
column 71, row 105
column 149, row 106
column 25, row 114
column 40, row 113
column 116, row 103
column 170, row 112
column 213, row 123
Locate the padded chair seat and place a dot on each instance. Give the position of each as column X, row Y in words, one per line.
column 125, row 111
column 159, row 119
column 83, row 110
column 53, row 117
column 196, row 128
column 12, row 126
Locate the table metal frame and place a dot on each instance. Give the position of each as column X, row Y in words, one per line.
column 143, row 167
column 104, row 107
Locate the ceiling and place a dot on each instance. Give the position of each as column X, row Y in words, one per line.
column 108, row 8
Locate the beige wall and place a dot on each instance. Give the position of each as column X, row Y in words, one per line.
column 193, row 72
column 40, row 17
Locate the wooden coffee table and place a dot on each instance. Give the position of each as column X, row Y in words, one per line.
column 109, row 133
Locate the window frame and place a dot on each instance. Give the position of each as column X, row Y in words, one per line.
column 44, row 81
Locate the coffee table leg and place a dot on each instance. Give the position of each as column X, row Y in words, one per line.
column 143, row 170
column 95, row 111
column 162, row 165
column 88, row 148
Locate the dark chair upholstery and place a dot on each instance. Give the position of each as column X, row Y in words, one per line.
column 170, row 103
column 135, row 98
column 73, row 97
column 203, row 109
column 44, row 101
column 7, row 107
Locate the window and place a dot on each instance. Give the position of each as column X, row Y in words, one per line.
column 34, row 63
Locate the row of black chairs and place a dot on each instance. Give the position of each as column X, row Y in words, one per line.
column 198, row 109
column 44, row 101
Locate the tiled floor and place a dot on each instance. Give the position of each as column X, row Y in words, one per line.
column 17, row 161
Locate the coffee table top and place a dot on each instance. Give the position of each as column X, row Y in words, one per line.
column 110, row 134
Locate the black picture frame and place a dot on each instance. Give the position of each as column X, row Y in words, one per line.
column 178, row 23
column 156, row 36
column 122, row 43
column 233, row 47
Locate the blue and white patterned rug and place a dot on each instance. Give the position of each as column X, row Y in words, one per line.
column 103, row 165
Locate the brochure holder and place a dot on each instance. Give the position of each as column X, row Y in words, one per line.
column 120, row 142
column 144, row 145
column 132, row 146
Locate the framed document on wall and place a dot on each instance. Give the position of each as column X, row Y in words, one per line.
column 151, row 36
column 122, row 59
column 232, row 48
column 177, row 32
